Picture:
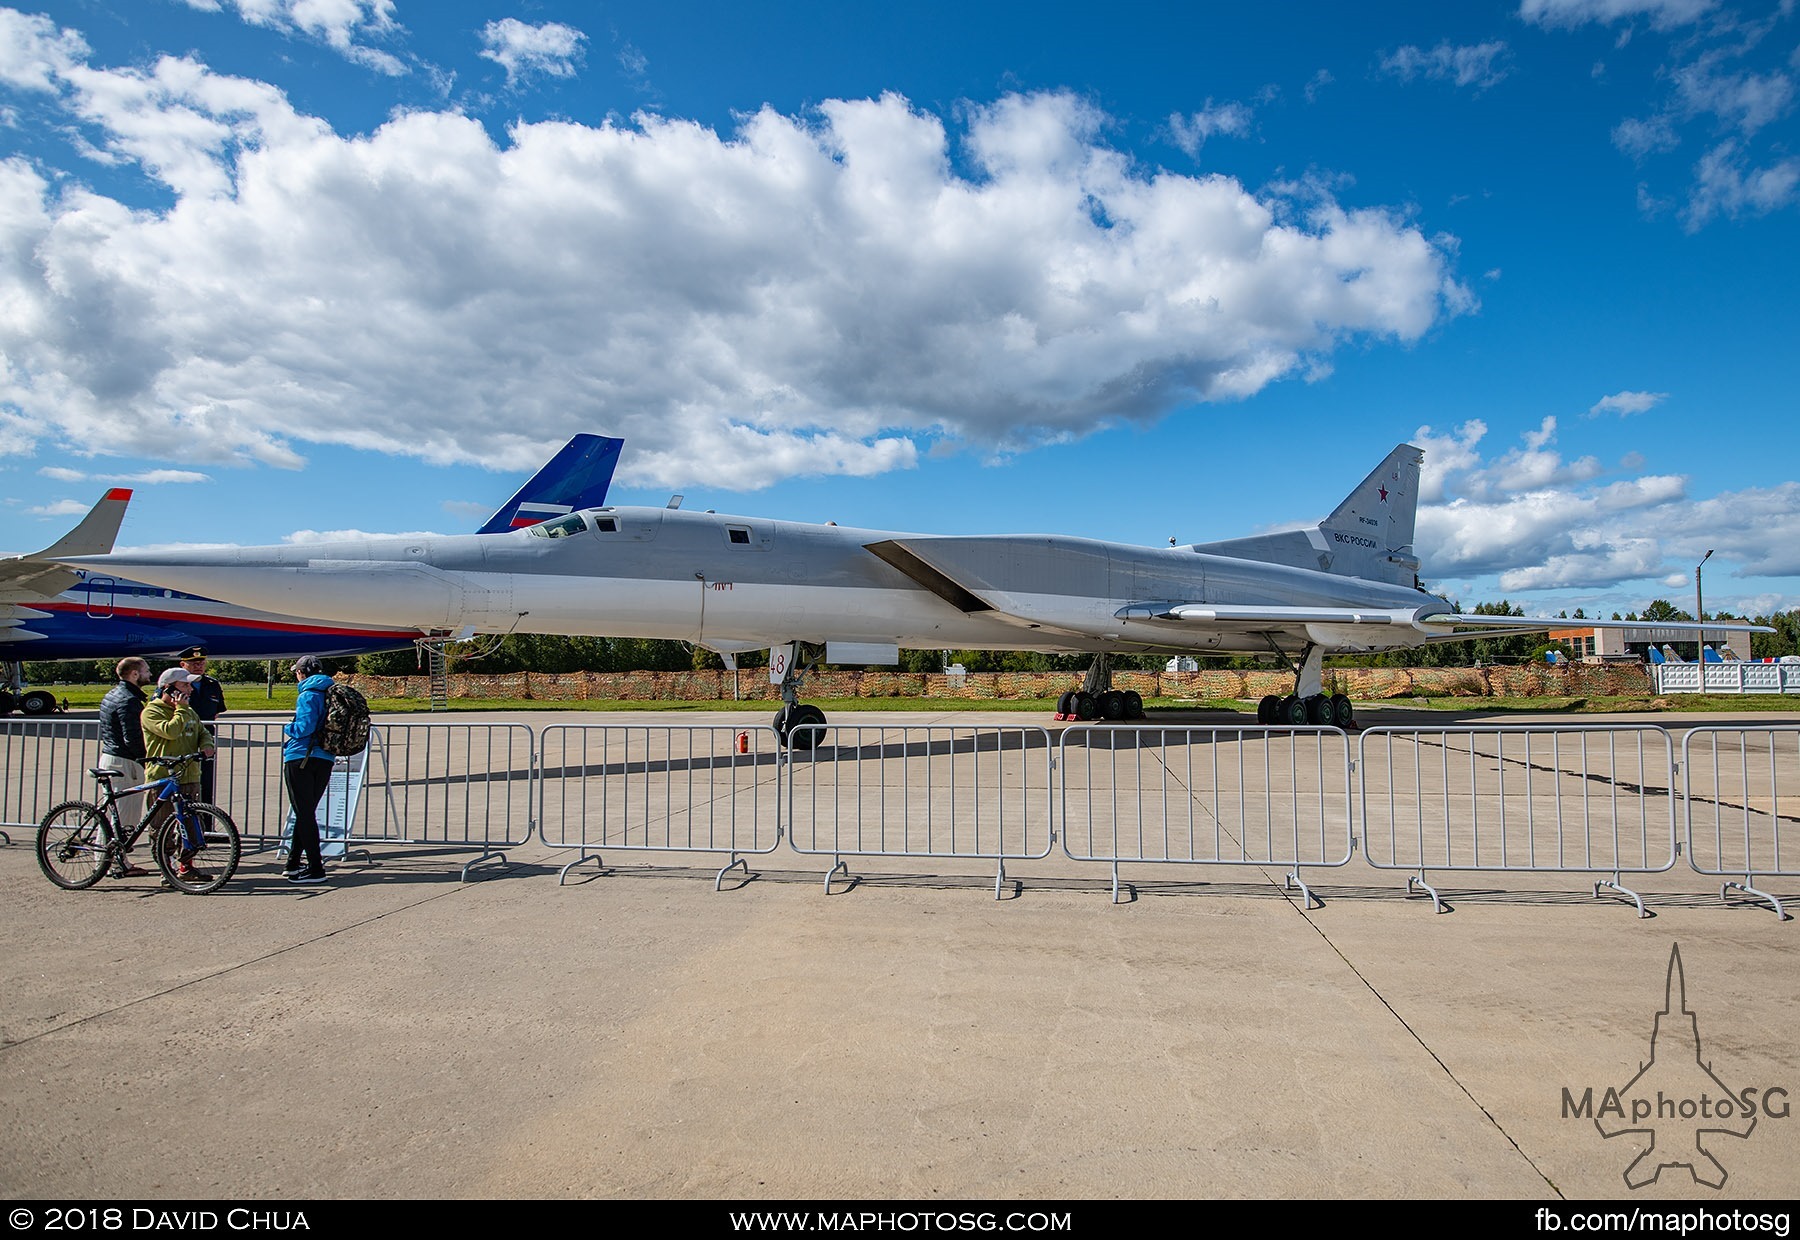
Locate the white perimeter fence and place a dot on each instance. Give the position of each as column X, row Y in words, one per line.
column 1604, row 801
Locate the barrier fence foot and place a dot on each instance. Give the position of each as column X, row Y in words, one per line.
column 1781, row 914
column 1614, row 884
column 1437, row 901
column 490, row 855
column 1310, row 901
column 563, row 874
column 736, row 863
column 837, row 863
column 1115, row 885
column 999, row 878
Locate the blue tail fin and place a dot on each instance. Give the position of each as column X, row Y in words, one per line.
column 576, row 477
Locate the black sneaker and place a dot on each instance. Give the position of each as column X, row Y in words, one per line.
column 291, row 875
column 304, row 878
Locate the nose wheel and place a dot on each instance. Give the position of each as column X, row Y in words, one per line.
column 794, row 725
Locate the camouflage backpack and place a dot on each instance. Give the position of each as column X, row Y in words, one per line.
column 344, row 730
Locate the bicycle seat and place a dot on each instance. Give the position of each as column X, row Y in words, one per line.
column 104, row 775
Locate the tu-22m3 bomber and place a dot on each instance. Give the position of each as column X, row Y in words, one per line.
column 836, row 594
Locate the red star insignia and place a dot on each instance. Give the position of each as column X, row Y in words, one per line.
column 1384, row 495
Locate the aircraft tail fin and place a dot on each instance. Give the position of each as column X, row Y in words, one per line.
column 97, row 531
column 576, row 477
column 1369, row 535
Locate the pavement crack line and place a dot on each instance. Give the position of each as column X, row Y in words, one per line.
column 1299, row 906
column 1425, row 1046
column 228, row 969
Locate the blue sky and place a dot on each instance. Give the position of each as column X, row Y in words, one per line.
column 1137, row 272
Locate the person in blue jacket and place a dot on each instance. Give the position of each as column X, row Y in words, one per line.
column 306, row 769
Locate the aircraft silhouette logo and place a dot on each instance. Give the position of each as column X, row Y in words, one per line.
column 1675, row 1100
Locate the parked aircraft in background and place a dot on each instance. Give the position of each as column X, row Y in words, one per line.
column 49, row 612
column 835, row 594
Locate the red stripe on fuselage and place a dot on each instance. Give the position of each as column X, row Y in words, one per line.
column 116, row 612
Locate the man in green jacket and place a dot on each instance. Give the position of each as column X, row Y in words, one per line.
column 173, row 731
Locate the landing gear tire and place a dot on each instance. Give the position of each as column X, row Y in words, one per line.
column 1318, row 710
column 1112, row 705
column 37, row 702
column 1343, row 714
column 792, row 725
column 1134, row 704
column 1065, row 705
column 1291, row 711
column 1267, row 708
column 1081, row 706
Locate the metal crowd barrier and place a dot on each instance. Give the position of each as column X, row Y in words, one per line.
column 1567, row 799
column 457, row 785
column 247, row 782
column 1736, row 676
column 970, row 792
column 44, row 762
column 1593, row 799
column 1202, row 796
column 1735, row 780
column 657, row 788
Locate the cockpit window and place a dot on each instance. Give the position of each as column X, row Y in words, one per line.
column 562, row 527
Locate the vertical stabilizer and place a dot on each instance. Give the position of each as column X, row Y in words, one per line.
column 576, row 477
column 95, row 534
column 1370, row 534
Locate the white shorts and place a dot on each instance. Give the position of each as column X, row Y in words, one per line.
column 130, row 808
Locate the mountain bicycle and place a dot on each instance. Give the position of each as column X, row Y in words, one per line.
column 79, row 841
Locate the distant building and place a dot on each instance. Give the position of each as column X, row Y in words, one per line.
column 1617, row 645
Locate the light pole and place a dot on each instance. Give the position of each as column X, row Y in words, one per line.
column 1700, row 633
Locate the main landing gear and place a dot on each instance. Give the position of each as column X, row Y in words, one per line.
column 15, row 696
column 1316, row 708
column 1097, row 699
column 1308, row 703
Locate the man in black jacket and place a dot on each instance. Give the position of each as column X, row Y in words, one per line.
column 122, row 744
column 208, row 702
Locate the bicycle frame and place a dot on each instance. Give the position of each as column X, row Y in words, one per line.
column 165, row 790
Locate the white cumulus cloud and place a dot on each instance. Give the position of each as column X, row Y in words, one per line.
column 1663, row 14
column 1532, row 521
column 523, row 50
column 1476, row 65
column 1627, row 403
column 344, row 25
column 1191, row 131
column 826, row 292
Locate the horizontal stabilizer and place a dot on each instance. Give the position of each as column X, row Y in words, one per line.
column 1446, row 621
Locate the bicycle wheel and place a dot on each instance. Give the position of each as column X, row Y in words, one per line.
column 213, row 863
column 71, row 845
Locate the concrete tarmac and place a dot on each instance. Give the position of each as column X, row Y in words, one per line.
column 401, row 1034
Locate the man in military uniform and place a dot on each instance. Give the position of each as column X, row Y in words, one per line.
column 208, row 702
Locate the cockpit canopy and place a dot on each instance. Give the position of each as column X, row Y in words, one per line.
column 560, row 527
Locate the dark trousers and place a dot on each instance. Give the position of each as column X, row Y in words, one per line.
column 206, row 781
column 306, row 779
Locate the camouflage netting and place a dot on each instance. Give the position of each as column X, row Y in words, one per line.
column 1530, row 680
